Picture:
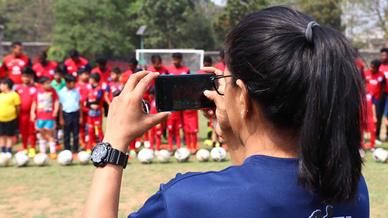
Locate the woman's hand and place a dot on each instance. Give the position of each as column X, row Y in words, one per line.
column 126, row 118
column 222, row 127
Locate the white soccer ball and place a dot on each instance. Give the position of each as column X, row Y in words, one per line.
column 65, row 157
column 5, row 159
column 83, row 157
column 21, row 159
column 218, row 154
column 145, row 155
column 182, row 154
column 380, row 155
column 41, row 159
column 203, row 155
column 163, row 156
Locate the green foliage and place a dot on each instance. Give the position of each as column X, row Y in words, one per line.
column 27, row 20
column 234, row 12
column 327, row 12
column 177, row 24
column 93, row 27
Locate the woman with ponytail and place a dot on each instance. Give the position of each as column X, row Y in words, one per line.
column 289, row 105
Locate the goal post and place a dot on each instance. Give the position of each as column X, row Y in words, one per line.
column 192, row 58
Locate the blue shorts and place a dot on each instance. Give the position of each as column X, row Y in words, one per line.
column 45, row 124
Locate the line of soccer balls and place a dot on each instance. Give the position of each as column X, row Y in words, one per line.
column 145, row 156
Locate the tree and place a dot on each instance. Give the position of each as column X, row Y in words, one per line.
column 327, row 12
column 234, row 12
column 93, row 27
column 27, row 20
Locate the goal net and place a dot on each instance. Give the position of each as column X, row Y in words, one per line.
column 192, row 58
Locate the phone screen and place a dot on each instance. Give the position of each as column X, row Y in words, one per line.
column 182, row 92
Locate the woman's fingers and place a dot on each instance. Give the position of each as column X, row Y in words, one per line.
column 214, row 96
column 212, row 70
column 155, row 119
column 132, row 82
column 143, row 85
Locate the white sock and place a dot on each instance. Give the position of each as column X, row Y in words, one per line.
column 42, row 146
column 52, row 147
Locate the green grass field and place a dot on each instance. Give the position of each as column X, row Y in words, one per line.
column 57, row 191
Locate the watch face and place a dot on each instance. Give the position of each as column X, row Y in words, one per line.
column 99, row 153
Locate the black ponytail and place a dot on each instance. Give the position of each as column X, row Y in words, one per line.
column 308, row 85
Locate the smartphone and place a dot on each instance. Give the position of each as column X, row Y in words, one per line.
column 182, row 92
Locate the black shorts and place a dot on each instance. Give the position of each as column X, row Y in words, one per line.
column 8, row 128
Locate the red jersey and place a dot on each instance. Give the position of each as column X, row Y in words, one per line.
column 72, row 67
column 83, row 91
column 104, row 74
column 190, row 120
column 125, row 76
column 27, row 94
column 220, row 66
column 360, row 65
column 178, row 70
column 384, row 69
column 47, row 71
column 14, row 66
column 45, row 101
column 162, row 70
column 95, row 96
column 113, row 88
column 373, row 83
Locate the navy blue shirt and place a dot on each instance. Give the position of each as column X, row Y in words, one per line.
column 261, row 187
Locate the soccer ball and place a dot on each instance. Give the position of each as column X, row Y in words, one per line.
column 65, row 157
column 182, row 155
column 21, row 159
column 362, row 153
column 218, row 154
column 5, row 159
column 83, row 157
column 203, row 155
column 145, row 155
column 380, row 155
column 41, row 159
column 163, row 156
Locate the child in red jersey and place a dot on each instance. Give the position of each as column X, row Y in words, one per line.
column 94, row 117
column 44, row 110
column 114, row 86
column 82, row 87
column 14, row 63
column 75, row 62
column 190, row 118
column 374, row 89
column 221, row 64
column 45, row 67
column 155, row 134
column 27, row 92
column 102, row 69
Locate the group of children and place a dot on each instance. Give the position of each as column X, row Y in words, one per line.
column 376, row 86
column 48, row 100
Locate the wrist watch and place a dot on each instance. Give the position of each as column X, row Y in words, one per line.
column 103, row 153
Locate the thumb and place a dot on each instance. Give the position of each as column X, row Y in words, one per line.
column 154, row 119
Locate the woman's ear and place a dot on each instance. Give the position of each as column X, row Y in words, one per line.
column 243, row 101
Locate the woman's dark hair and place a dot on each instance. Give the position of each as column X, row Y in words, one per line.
column 309, row 86
column 8, row 82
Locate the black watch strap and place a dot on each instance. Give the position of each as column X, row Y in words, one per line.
column 117, row 157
